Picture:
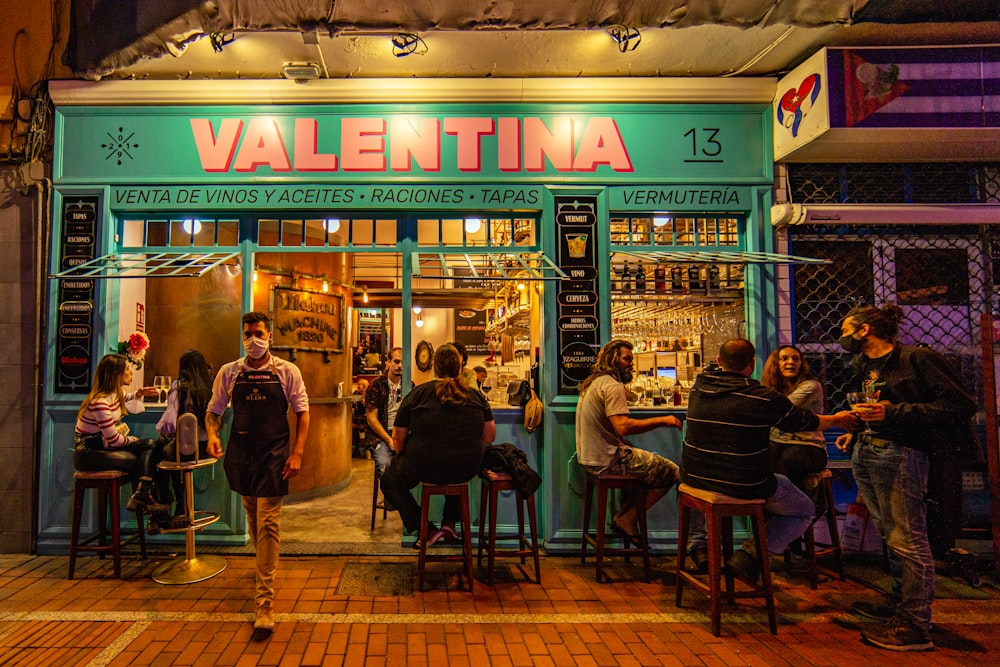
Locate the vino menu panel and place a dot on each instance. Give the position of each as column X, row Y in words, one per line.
column 75, row 333
column 578, row 339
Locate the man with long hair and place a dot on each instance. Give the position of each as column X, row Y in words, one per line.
column 602, row 422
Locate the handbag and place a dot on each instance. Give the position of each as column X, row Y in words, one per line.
column 518, row 393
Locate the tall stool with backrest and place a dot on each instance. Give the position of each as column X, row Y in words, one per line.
column 108, row 484
column 428, row 491
column 604, row 484
column 808, row 540
column 190, row 568
column 489, row 492
column 719, row 510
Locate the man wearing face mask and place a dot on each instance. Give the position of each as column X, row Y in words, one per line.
column 920, row 429
column 260, row 387
column 602, row 422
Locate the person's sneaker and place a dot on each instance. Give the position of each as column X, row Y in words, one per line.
column 898, row 634
column 263, row 624
column 698, row 560
column 744, row 567
column 877, row 611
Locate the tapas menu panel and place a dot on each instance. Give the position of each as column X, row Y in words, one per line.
column 577, row 299
column 75, row 333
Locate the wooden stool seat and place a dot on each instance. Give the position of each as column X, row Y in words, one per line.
column 108, row 484
column 719, row 510
column 489, row 491
column 812, row 554
column 427, row 491
column 605, row 483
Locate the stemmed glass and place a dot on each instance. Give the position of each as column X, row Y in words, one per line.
column 860, row 402
column 164, row 387
column 158, row 385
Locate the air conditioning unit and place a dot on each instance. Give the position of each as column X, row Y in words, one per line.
column 783, row 215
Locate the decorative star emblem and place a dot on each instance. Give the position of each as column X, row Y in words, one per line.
column 120, row 146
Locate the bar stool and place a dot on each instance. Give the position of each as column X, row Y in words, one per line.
column 489, row 491
column 375, row 504
column 808, row 540
column 108, row 484
column 191, row 567
column 426, row 493
column 604, row 484
column 719, row 510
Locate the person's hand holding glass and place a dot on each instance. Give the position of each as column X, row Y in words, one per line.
column 865, row 405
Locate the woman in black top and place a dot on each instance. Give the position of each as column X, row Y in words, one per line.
column 441, row 430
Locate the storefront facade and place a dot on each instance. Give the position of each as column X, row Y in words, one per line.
column 188, row 210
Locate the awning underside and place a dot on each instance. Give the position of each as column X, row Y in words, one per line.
column 486, row 266
column 148, row 265
column 716, row 257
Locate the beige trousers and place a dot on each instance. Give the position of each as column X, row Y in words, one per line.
column 264, row 523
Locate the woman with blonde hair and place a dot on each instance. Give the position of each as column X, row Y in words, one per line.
column 441, row 431
column 798, row 456
column 103, row 441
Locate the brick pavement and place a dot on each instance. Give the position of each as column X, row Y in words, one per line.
column 46, row 619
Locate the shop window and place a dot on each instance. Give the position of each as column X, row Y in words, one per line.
column 472, row 230
column 667, row 230
column 181, row 232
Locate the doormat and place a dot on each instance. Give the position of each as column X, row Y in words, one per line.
column 376, row 579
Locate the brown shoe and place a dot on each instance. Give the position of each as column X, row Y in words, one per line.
column 263, row 624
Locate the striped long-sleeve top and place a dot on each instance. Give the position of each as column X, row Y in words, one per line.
column 104, row 415
column 729, row 421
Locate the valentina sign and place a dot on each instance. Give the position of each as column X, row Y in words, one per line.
column 395, row 144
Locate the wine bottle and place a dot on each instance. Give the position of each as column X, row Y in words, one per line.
column 676, row 279
column 714, row 275
column 626, row 279
column 694, row 277
column 660, row 278
column 640, row 279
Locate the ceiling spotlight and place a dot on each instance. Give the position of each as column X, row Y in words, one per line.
column 520, row 287
column 419, row 321
column 333, row 225
column 473, row 225
column 300, row 72
column 660, row 221
column 627, row 38
column 417, row 310
column 407, row 43
column 191, row 226
column 326, row 286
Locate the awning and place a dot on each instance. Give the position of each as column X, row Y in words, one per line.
column 486, row 266
column 717, row 257
column 147, row 265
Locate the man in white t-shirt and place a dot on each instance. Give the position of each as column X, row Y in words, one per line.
column 602, row 422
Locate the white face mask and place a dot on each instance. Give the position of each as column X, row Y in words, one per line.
column 255, row 347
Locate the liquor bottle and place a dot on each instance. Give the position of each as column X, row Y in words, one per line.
column 676, row 394
column 660, row 279
column 625, row 284
column 640, row 279
column 676, row 279
column 694, row 277
column 714, row 277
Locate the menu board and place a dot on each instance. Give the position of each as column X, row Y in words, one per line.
column 578, row 339
column 75, row 332
column 470, row 330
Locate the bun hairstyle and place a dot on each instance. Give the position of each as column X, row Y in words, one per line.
column 447, row 368
column 883, row 322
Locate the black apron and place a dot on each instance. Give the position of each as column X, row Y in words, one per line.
column 259, row 441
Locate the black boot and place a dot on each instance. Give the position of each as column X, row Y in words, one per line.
column 144, row 496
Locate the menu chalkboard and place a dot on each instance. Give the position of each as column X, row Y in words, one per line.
column 577, row 298
column 75, row 332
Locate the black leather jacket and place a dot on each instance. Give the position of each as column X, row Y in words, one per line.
column 929, row 410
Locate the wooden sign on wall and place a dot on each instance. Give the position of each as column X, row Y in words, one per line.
column 307, row 320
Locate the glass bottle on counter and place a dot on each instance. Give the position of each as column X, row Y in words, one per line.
column 640, row 279
column 660, row 279
column 714, row 277
column 694, row 277
column 625, row 284
column 677, row 396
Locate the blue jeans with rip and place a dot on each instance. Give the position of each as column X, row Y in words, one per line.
column 382, row 454
column 892, row 482
column 791, row 513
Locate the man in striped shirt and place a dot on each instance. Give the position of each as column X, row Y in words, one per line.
column 726, row 451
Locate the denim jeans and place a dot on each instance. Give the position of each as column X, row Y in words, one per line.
column 892, row 482
column 382, row 454
column 791, row 509
column 264, row 524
